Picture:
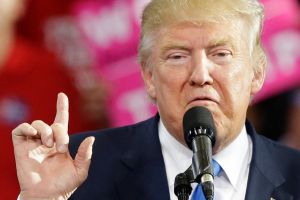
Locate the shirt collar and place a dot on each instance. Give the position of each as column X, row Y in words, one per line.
column 236, row 157
column 177, row 157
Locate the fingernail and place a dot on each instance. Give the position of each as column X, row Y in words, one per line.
column 49, row 142
column 63, row 148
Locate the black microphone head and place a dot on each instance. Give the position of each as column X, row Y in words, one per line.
column 198, row 118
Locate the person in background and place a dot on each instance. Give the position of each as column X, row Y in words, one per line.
column 30, row 79
column 51, row 25
column 284, row 126
column 275, row 112
column 292, row 132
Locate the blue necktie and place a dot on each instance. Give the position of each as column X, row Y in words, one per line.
column 198, row 193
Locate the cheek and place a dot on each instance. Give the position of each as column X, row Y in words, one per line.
column 235, row 88
column 240, row 77
column 170, row 93
column 170, row 81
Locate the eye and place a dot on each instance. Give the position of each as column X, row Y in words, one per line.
column 221, row 56
column 177, row 58
column 222, row 53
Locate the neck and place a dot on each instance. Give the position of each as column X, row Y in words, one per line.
column 6, row 40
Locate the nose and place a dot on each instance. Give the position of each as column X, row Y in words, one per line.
column 201, row 70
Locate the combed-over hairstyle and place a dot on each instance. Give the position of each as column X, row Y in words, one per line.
column 161, row 13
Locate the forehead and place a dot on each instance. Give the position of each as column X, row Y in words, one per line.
column 203, row 33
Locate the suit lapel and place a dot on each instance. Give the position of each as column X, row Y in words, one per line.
column 143, row 174
column 264, row 176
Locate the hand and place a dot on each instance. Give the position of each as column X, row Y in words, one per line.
column 45, row 168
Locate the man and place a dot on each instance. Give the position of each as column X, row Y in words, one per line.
column 193, row 53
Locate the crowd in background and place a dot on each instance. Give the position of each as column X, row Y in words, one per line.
column 87, row 49
column 276, row 110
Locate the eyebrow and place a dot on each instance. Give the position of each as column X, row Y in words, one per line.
column 221, row 42
column 175, row 46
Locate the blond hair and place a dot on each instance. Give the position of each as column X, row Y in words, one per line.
column 161, row 13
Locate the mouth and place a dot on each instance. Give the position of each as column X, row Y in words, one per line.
column 203, row 101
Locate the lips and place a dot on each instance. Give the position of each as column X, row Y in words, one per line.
column 203, row 100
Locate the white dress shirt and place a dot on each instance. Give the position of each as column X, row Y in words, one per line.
column 234, row 160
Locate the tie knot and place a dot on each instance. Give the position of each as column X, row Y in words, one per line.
column 217, row 168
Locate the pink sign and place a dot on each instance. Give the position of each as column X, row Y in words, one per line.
column 111, row 30
column 129, row 101
column 281, row 40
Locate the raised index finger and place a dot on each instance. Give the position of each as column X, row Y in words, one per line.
column 62, row 110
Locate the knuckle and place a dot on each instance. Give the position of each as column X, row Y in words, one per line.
column 25, row 124
column 37, row 122
column 23, row 127
column 41, row 126
column 14, row 131
column 57, row 126
column 20, row 127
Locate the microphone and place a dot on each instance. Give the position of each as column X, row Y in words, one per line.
column 199, row 134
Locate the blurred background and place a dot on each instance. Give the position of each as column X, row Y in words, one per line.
column 88, row 49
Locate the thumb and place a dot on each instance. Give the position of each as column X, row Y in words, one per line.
column 83, row 158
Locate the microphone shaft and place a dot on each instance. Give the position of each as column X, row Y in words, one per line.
column 202, row 156
column 201, row 164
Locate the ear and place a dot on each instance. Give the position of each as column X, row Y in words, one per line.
column 259, row 73
column 147, row 74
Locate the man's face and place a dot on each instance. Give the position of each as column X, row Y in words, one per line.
column 203, row 65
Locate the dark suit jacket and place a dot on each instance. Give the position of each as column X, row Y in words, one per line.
column 127, row 164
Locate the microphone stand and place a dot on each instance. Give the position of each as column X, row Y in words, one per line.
column 182, row 185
